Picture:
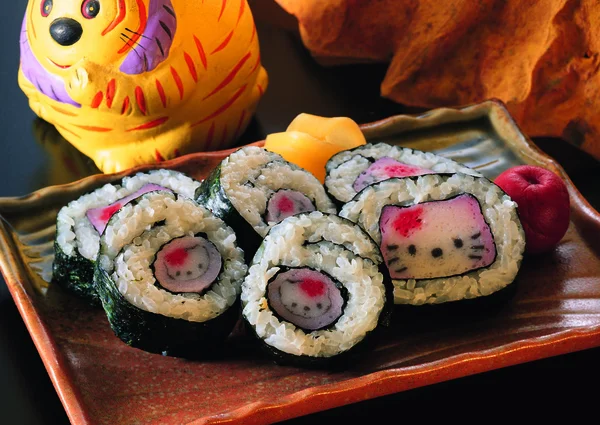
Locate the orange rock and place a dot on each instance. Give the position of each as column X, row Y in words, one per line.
column 541, row 58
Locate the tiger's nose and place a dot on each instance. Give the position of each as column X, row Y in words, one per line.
column 66, row 31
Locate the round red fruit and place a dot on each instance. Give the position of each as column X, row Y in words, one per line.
column 543, row 204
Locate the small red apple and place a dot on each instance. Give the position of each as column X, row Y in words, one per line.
column 543, row 204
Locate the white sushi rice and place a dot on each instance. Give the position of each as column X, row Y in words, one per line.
column 251, row 175
column 313, row 240
column 76, row 234
column 499, row 211
column 344, row 168
column 130, row 244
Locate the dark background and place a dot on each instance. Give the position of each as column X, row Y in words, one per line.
column 540, row 390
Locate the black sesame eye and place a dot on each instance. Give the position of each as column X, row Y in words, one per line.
column 458, row 243
column 90, row 9
column 437, row 252
column 412, row 250
column 46, row 7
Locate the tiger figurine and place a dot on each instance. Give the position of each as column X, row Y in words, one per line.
column 132, row 82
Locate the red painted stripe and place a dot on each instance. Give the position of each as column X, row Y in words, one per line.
column 110, row 92
column 253, row 34
column 224, row 107
column 260, row 89
column 256, row 65
column 178, row 81
column 201, row 52
column 140, row 99
column 223, row 44
column 210, row 137
column 118, row 19
column 223, row 4
column 97, row 100
column 138, row 33
column 67, row 130
column 149, row 125
column 93, row 128
column 191, row 66
column 239, row 126
column 125, row 107
column 161, row 93
column 230, row 77
column 242, row 8
column 159, row 157
column 62, row 111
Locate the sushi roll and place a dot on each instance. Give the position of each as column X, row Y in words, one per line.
column 169, row 275
column 254, row 189
column 350, row 171
column 444, row 237
column 80, row 224
column 316, row 291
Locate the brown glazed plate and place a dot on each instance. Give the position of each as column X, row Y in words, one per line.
column 552, row 308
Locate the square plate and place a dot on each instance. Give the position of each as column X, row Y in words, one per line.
column 552, row 308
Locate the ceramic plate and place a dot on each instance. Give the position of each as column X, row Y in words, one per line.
column 553, row 308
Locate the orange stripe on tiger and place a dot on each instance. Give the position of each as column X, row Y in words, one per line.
column 260, row 89
column 125, row 107
column 242, row 8
column 119, row 18
column 210, row 136
column 140, row 99
column 67, row 130
column 223, row 4
column 110, row 92
column 93, row 128
column 223, row 44
column 137, row 33
column 161, row 93
column 224, row 107
column 201, row 51
column 253, row 33
column 149, row 125
column 229, row 77
column 97, row 100
column 191, row 66
column 178, row 81
column 62, row 111
column 239, row 126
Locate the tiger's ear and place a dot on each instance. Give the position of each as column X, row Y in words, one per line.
column 150, row 49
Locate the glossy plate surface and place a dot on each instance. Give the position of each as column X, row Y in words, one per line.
column 552, row 308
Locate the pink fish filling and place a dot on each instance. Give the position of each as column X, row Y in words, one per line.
column 436, row 239
column 188, row 264
column 306, row 298
column 99, row 217
column 386, row 168
column 285, row 203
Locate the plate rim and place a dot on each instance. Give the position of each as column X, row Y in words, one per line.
column 352, row 390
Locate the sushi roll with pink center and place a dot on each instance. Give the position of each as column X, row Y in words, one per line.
column 254, row 189
column 169, row 275
column 444, row 237
column 80, row 224
column 317, row 291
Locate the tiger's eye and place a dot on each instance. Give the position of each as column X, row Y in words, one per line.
column 90, row 9
column 46, row 7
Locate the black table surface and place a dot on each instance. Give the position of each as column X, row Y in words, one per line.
column 541, row 389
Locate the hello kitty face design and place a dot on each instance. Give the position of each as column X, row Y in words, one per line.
column 436, row 239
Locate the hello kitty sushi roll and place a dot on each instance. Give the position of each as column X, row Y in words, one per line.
column 444, row 237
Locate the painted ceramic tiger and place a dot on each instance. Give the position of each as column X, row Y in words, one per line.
column 129, row 82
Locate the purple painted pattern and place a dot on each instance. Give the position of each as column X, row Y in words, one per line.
column 46, row 83
column 154, row 45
